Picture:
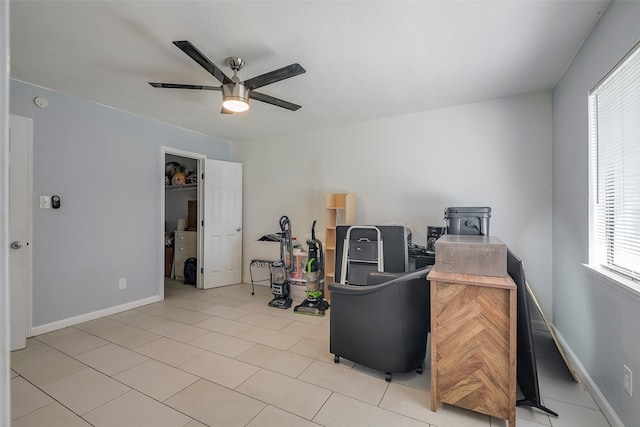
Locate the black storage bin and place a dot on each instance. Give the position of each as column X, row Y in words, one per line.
column 468, row 220
column 383, row 325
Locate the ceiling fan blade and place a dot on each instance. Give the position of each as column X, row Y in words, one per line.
column 274, row 76
column 274, row 101
column 180, row 86
column 197, row 56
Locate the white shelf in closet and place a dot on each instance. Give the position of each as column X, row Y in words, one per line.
column 181, row 187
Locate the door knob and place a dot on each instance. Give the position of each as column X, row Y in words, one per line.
column 239, row 228
column 16, row 245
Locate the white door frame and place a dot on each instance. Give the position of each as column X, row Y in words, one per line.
column 5, row 405
column 200, row 159
column 28, row 246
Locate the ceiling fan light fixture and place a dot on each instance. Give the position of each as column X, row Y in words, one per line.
column 235, row 97
column 235, row 105
column 235, row 92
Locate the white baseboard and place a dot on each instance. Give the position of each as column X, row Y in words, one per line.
column 586, row 379
column 59, row 324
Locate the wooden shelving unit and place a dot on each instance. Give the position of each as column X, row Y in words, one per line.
column 340, row 210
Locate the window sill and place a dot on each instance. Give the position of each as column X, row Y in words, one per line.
column 616, row 281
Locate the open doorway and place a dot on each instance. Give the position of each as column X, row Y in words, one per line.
column 181, row 213
column 205, row 213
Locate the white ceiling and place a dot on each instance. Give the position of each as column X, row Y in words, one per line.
column 364, row 59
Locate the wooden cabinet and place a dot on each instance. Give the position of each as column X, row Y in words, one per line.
column 340, row 210
column 185, row 246
column 473, row 343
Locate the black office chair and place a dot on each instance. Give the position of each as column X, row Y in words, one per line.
column 384, row 324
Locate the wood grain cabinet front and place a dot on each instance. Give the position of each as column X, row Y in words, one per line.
column 473, row 343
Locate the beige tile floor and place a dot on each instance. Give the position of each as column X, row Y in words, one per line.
column 222, row 357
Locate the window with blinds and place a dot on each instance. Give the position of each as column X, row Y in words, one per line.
column 614, row 156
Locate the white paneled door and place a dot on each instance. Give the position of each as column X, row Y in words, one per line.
column 20, row 137
column 222, row 231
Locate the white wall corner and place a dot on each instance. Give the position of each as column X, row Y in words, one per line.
column 588, row 382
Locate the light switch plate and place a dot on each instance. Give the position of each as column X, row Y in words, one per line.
column 45, row 202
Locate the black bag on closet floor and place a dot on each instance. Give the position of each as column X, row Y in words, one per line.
column 190, row 271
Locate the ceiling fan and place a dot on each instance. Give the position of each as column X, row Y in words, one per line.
column 236, row 93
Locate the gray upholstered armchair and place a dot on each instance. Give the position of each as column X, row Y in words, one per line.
column 383, row 325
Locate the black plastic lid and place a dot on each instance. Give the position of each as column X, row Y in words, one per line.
column 467, row 210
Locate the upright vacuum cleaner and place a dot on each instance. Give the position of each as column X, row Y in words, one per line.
column 314, row 304
column 280, row 285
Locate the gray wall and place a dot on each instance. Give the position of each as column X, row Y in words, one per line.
column 408, row 169
column 105, row 166
column 598, row 321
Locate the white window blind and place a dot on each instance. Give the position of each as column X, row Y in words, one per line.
column 614, row 192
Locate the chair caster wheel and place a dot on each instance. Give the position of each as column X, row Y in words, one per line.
column 387, row 377
column 336, row 359
column 419, row 370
